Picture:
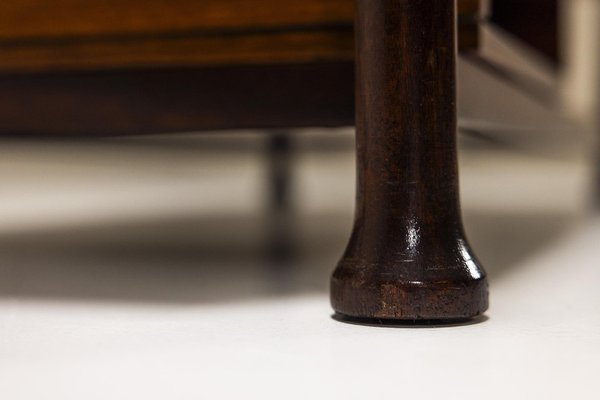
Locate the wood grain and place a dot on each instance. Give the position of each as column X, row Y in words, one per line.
column 203, row 50
column 62, row 35
column 21, row 19
column 407, row 258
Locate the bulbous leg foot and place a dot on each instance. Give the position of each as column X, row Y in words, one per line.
column 361, row 294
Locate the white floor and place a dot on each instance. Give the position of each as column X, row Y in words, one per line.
column 139, row 269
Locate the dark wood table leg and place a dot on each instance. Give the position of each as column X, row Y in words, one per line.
column 407, row 258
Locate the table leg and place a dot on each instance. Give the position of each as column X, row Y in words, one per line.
column 407, row 258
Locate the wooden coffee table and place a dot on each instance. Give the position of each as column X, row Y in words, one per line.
column 109, row 67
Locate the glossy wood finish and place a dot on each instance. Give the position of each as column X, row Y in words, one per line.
column 407, row 258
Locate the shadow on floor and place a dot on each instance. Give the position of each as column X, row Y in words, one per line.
column 224, row 258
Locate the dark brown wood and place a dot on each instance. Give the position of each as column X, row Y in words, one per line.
column 71, row 35
column 536, row 22
column 111, row 67
column 180, row 50
column 407, row 258
column 30, row 19
column 177, row 100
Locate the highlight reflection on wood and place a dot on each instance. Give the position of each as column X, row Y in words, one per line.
column 407, row 258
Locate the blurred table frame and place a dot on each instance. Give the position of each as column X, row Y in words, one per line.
column 108, row 67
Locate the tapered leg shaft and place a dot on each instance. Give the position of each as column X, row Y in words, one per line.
column 407, row 258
